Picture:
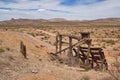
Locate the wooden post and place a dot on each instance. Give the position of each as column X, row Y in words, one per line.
column 23, row 49
column 60, row 43
column 78, row 48
column 88, row 53
column 21, row 46
column 78, row 51
column 57, row 43
column 70, row 45
column 70, row 51
column 85, row 35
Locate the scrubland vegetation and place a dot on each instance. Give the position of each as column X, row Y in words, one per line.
column 38, row 64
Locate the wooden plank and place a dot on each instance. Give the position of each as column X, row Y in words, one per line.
column 91, row 48
column 74, row 37
column 76, row 44
column 65, row 49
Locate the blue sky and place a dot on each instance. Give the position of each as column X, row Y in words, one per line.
column 79, row 2
column 8, row 1
column 69, row 9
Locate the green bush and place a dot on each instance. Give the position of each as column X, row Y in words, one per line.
column 2, row 50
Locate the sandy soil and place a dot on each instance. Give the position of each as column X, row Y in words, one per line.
column 38, row 65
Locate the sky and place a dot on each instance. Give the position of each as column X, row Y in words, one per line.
column 68, row 9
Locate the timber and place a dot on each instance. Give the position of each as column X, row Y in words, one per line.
column 93, row 57
column 23, row 49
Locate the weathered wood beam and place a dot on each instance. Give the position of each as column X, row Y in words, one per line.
column 74, row 37
column 23, row 49
column 57, row 43
column 60, row 43
column 76, row 44
column 70, row 45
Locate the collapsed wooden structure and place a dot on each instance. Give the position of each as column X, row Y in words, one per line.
column 93, row 57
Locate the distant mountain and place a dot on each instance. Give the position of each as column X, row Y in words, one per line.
column 57, row 20
column 107, row 20
column 54, row 21
column 23, row 21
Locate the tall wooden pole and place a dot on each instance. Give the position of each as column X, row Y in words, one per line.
column 57, row 43
column 89, row 44
column 70, row 45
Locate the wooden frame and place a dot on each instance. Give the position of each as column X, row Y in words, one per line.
column 97, row 58
column 94, row 56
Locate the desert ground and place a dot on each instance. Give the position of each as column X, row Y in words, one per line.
column 39, row 39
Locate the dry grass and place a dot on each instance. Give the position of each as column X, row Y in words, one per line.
column 15, row 67
column 115, row 68
column 2, row 50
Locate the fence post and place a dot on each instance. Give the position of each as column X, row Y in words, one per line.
column 23, row 49
column 60, row 43
column 88, row 42
column 70, row 52
column 70, row 45
column 57, row 43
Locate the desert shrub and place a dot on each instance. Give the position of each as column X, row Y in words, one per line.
column 115, row 49
column 118, row 36
column 0, row 42
column 32, row 34
column 2, row 50
column 106, row 78
column 115, row 69
column 8, row 49
column 103, row 46
column 54, row 43
column 45, row 38
column 112, row 42
column 11, row 58
column 85, row 77
column 87, row 68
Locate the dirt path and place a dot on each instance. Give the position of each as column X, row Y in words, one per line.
column 35, row 40
column 30, row 38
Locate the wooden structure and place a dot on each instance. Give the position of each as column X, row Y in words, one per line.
column 89, row 56
column 96, row 57
column 85, row 35
column 23, row 49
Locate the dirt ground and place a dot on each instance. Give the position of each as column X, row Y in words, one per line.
column 41, row 42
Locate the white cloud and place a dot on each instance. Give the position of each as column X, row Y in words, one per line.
column 3, row 10
column 41, row 9
column 108, row 8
